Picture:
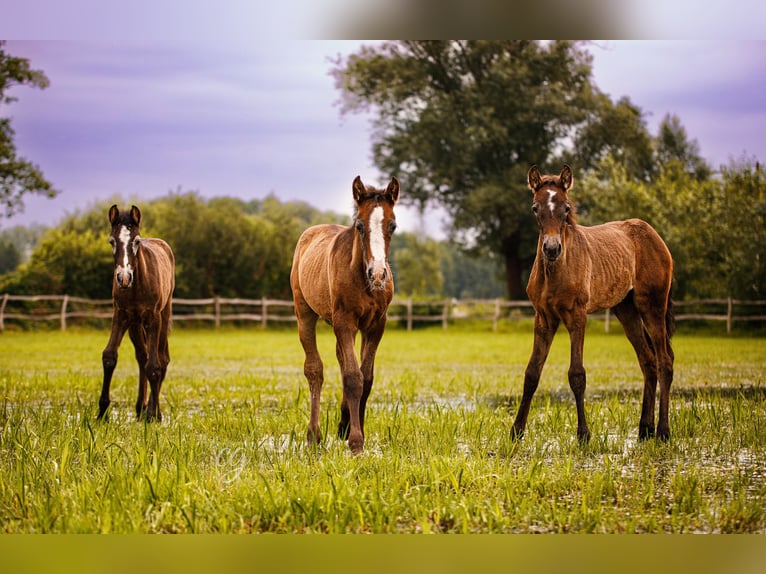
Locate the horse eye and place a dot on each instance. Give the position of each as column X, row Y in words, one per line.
column 359, row 226
column 567, row 207
column 535, row 207
column 392, row 227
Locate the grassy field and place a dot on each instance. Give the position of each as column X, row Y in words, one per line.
column 230, row 455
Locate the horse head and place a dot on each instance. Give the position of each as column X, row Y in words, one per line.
column 375, row 222
column 125, row 241
column 552, row 208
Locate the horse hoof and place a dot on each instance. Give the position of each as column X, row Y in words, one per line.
column 663, row 435
column 313, row 437
column 583, row 436
column 517, row 434
column 645, row 432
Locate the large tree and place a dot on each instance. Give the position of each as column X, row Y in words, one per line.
column 460, row 122
column 18, row 176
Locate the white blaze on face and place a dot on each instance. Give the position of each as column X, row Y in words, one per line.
column 551, row 195
column 377, row 240
column 124, row 238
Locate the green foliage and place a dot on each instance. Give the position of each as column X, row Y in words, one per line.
column 78, row 264
column 223, row 246
column 18, row 176
column 713, row 226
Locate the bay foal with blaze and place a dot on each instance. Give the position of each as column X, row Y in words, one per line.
column 142, row 294
column 622, row 265
column 341, row 275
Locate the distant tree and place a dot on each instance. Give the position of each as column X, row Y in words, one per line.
column 10, row 256
column 18, row 176
column 672, row 144
column 416, row 265
column 78, row 264
column 616, row 130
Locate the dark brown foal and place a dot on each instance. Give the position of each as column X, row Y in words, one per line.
column 142, row 294
column 621, row 265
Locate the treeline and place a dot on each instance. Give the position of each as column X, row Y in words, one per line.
column 714, row 224
column 223, row 246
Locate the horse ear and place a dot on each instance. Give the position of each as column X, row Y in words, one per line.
column 534, row 179
column 393, row 189
column 135, row 214
column 567, row 177
column 113, row 213
column 358, row 189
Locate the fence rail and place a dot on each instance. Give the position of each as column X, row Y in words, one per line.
column 408, row 311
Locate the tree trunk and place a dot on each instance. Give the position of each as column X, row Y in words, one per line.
column 516, row 291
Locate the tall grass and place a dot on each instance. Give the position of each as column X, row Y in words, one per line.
column 230, row 453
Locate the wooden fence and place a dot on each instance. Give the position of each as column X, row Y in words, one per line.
column 62, row 308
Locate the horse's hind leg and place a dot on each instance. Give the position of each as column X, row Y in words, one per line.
column 313, row 369
column 654, row 318
column 139, row 345
column 163, row 355
column 628, row 315
column 109, row 361
column 544, row 333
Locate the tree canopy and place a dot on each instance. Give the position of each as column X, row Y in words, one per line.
column 18, row 176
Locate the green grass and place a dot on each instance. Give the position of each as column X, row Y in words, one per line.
column 230, row 454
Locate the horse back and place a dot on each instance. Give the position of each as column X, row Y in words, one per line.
column 309, row 276
column 159, row 273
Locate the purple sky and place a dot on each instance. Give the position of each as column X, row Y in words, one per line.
column 140, row 119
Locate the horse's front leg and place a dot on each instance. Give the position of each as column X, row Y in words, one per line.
column 352, row 381
column 545, row 330
column 576, row 326
column 370, row 341
column 109, row 359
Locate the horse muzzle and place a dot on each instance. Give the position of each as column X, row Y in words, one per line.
column 123, row 277
column 377, row 277
column 552, row 247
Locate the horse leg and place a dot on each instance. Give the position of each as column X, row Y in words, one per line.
column 577, row 380
column 545, row 330
column 654, row 318
column 352, row 381
column 109, row 360
column 138, row 339
column 628, row 315
column 313, row 369
column 152, row 327
column 370, row 341
column 163, row 353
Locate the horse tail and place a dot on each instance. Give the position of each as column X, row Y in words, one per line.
column 670, row 318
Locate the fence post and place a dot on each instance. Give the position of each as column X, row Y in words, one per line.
column 217, row 306
column 409, row 313
column 728, row 314
column 497, row 314
column 2, row 310
column 445, row 314
column 607, row 317
column 264, row 311
column 64, row 304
